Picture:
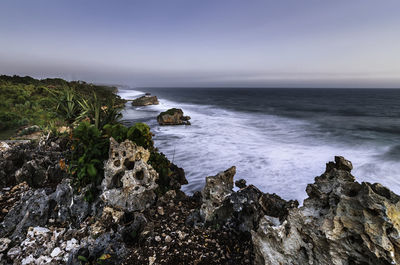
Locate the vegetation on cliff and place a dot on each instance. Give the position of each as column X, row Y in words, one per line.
column 92, row 112
column 53, row 102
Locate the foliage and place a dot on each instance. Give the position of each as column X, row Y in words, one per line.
column 162, row 165
column 66, row 102
column 90, row 108
column 99, row 114
column 28, row 101
column 138, row 133
column 111, row 113
column 89, row 150
column 141, row 135
column 118, row 131
column 53, row 103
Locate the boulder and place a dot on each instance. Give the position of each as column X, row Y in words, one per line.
column 145, row 101
column 173, row 117
column 129, row 181
column 341, row 222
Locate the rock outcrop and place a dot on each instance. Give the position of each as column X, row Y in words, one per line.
column 242, row 209
column 173, row 117
column 145, row 101
column 129, row 182
column 341, row 222
column 38, row 165
column 216, row 190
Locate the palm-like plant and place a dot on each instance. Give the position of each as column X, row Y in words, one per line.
column 99, row 114
column 90, row 109
column 66, row 103
column 110, row 113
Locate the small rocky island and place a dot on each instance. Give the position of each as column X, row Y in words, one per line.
column 173, row 117
column 145, row 100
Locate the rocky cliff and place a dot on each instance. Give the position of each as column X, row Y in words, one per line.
column 342, row 221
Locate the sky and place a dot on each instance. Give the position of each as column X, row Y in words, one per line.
column 272, row 43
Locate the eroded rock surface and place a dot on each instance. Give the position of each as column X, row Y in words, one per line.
column 38, row 165
column 173, row 117
column 216, row 190
column 129, row 182
column 341, row 222
column 241, row 210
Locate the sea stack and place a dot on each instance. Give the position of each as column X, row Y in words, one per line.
column 145, row 100
column 173, row 117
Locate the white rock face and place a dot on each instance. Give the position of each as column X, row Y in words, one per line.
column 342, row 222
column 129, row 182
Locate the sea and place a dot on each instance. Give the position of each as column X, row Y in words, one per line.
column 279, row 139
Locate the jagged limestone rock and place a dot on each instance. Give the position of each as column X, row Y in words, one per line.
column 215, row 191
column 38, row 165
column 129, row 182
column 342, row 222
column 241, row 210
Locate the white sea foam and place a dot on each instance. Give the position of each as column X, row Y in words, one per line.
column 278, row 155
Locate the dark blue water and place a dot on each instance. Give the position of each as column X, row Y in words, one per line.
column 279, row 139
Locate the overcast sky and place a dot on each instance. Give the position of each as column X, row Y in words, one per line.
column 340, row 43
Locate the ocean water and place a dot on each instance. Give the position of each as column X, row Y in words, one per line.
column 279, row 139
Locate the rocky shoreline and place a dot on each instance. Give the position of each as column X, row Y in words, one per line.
column 43, row 221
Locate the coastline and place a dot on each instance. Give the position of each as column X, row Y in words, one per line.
column 271, row 151
column 339, row 219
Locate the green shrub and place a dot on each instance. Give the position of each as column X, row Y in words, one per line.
column 118, row 131
column 90, row 149
column 138, row 133
column 32, row 101
column 141, row 135
column 110, row 113
column 8, row 120
column 162, row 165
